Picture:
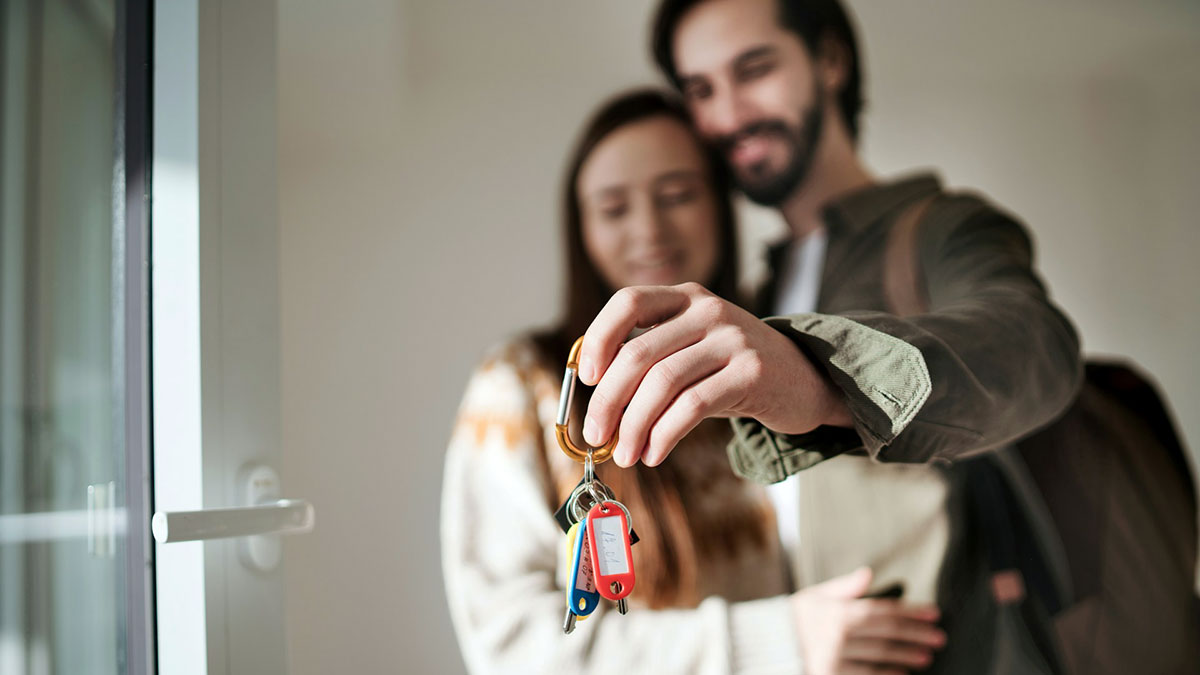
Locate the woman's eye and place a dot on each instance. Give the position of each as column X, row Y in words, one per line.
column 676, row 197
column 614, row 212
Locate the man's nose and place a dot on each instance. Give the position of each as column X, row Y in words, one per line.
column 725, row 114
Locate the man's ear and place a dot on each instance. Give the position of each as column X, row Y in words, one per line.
column 833, row 64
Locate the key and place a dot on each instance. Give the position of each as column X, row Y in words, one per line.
column 582, row 597
column 565, row 521
column 612, row 561
column 570, row 619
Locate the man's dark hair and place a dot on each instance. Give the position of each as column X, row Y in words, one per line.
column 812, row 20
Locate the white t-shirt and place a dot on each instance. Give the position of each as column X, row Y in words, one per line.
column 799, row 286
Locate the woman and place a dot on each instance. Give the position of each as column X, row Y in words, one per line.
column 644, row 204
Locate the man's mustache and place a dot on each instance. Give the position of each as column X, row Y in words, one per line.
column 760, row 128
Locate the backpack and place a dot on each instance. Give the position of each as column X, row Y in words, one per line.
column 1112, row 480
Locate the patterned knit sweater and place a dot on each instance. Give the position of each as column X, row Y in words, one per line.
column 505, row 563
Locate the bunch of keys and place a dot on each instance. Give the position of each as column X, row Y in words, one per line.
column 599, row 532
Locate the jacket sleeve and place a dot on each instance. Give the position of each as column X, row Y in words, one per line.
column 504, row 562
column 992, row 360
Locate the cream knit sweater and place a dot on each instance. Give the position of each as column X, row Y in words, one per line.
column 505, row 567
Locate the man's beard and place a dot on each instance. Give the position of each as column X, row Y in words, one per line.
column 770, row 188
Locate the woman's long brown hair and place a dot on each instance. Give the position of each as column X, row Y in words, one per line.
column 667, row 555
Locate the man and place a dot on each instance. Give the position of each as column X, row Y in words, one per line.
column 775, row 85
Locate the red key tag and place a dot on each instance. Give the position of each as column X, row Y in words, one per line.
column 608, row 541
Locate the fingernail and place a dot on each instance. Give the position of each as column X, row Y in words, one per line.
column 589, row 431
column 621, row 458
column 626, row 455
column 585, row 370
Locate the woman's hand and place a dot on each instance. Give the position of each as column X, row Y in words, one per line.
column 841, row 632
column 702, row 357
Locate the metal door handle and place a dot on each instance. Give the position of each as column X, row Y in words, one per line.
column 285, row 516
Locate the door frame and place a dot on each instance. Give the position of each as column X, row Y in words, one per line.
column 134, row 71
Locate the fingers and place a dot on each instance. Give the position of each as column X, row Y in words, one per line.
column 629, row 308
column 887, row 653
column 901, row 629
column 847, row 586
column 663, row 382
column 871, row 608
column 690, row 407
column 662, row 355
column 888, row 633
column 868, row 669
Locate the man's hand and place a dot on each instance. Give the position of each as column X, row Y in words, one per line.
column 843, row 633
column 702, row 357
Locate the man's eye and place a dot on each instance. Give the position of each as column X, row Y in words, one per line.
column 752, row 71
column 696, row 91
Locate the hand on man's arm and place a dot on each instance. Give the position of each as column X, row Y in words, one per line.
column 702, row 357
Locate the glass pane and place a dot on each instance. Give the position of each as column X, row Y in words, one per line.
column 62, row 521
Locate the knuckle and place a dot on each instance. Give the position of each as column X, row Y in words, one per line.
column 754, row 364
column 739, row 339
column 635, row 353
column 628, row 299
column 599, row 405
column 692, row 403
column 711, row 309
column 662, row 377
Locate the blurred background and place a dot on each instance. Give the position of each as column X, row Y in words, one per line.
column 421, row 146
column 353, row 200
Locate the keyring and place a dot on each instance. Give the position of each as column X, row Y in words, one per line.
column 565, row 397
column 628, row 518
column 589, row 466
column 602, row 493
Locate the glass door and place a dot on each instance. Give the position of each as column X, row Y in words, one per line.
column 83, row 589
column 74, row 557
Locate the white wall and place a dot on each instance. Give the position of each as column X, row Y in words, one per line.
column 419, row 157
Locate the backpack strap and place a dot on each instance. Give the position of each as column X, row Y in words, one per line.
column 902, row 286
column 1016, row 570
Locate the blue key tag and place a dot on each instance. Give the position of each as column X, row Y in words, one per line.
column 582, row 595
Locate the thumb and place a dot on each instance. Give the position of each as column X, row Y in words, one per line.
column 847, row 586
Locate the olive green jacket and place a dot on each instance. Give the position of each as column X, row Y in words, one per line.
column 991, row 361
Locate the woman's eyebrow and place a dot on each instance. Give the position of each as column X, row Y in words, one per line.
column 609, row 192
column 676, row 174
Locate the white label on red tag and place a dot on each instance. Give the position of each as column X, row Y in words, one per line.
column 610, row 545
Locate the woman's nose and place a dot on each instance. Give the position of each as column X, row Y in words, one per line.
column 649, row 224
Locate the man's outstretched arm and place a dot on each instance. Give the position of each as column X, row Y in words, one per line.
column 992, row 360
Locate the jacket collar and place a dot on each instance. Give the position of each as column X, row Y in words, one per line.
column 866, row 206
column 845, row 216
